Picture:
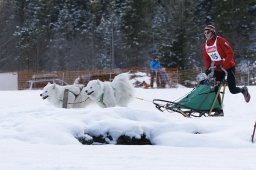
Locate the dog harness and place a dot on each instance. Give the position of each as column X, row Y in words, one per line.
column 75, row 93
column 101, row 100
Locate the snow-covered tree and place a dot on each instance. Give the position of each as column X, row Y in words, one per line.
column 99, row 34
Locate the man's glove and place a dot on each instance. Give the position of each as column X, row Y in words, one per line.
column 208, row 71
column 219, row 66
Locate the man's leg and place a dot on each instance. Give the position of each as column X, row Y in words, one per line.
column 158, row 79
column 152, row 76
column 231, row 80
column 232, row 85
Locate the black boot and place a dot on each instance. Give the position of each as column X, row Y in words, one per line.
column 246, row 94
column 218, row 113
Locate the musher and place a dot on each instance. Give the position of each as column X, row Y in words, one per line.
column 218, row 50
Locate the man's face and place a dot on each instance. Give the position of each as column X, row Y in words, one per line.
column 208, row 34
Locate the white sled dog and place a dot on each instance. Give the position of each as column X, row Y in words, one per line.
column 109, row 94
column 76, row 98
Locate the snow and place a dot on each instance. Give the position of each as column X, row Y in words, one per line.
column 36, row 135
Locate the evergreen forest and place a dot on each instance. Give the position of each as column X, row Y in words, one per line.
column 108, row 34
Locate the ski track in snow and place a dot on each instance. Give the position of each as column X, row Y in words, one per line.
column 36, row 135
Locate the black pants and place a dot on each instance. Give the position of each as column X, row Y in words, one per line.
column 155, row 74
column 231, row 80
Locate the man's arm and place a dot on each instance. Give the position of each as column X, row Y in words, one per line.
column 227, row 49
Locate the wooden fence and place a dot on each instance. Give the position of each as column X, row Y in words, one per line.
column 24, row 77
column 175, row 76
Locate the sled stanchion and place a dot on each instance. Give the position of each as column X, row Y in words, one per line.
column 223, row 93
column 224, row 84
column 65, row 99
column 253, row 132
column 214, row 102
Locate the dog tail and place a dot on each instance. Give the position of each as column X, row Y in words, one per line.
column 124, row 91
column 77, row 81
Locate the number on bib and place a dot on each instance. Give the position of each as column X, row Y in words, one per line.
column 215, row 57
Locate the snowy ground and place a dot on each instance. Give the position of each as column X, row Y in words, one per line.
column 36, row 135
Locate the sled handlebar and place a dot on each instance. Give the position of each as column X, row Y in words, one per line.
column 225, row 71
column 212, row 68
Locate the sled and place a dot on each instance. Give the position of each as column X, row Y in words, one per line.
column 203, row 100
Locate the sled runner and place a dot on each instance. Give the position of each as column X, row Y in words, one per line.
column 205, row 100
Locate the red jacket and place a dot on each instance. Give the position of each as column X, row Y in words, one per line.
column 225, row 51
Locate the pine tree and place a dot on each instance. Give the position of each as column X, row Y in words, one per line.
column 8, row 21
column 234, row 19
column 76, row 35
column 136, row 30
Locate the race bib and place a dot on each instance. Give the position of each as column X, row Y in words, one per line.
column 213, row 52
column 214, row 56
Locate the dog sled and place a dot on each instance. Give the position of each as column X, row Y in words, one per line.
column 204, row 100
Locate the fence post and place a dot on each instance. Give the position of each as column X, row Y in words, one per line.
column 248, row 77
column 63, row 77
column 178, row 76
column 65, row 99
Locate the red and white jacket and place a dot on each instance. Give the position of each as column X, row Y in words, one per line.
column 223, row 56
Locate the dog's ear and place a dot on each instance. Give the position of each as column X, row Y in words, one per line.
column 53, row 86
column 98, row 81
column 48, row 83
